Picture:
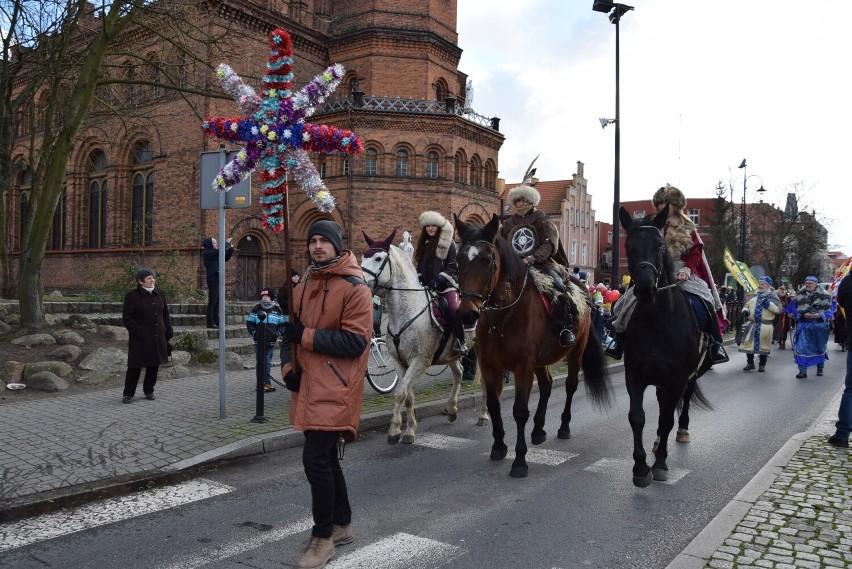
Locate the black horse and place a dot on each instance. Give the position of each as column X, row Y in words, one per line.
column 661, row 342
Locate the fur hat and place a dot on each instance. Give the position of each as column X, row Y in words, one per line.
column 670, row 195
column 330, row 230
column 432, row 218
column 267, row 292
column 525, row 192
column 144, row 273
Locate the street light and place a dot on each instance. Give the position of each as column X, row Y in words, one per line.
column 615, row 11
column 761, row 190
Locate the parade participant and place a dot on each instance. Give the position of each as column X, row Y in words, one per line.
column 812, row 310
column 274, row 322
column 329, row 335
column 536, row 239
column 784, row 321
column 435, row 260
column 692, row 272
column 145, row 314
column 759, row 311
column 210, row 256
column 840, row 438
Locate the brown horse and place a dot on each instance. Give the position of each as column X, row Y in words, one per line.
column 514, row 331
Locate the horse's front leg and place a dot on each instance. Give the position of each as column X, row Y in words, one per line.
column 492, row 378
column 521, row 414
column 668, row 404
column 572, row 379
column 452, row 408
column 401, row 398
column 636, row 417
column 545, row 387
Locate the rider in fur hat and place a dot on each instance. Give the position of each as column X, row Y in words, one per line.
column 435, row 260
column 536, row 239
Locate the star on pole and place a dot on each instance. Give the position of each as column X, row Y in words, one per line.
column 275, row 134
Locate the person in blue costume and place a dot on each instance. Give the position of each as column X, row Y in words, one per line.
column 812, row 309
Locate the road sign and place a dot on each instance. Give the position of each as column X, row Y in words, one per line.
column 238, row 197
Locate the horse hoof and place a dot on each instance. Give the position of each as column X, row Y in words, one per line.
column 519, row 471
column 408, row 439
column 563, row 434
column 538, row 438
column 393, row 439
column 660, row 475
column 642, row 481
column 498, row 453
column 451, row 417
column 482, row 422
column 683, row 436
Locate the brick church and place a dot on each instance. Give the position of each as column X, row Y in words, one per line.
column 136, row 195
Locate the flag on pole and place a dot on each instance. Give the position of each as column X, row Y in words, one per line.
column 841, row 272
column 741, row 272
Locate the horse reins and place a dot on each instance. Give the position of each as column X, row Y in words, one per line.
column 486, row 299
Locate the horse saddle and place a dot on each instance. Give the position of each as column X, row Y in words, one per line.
column 440, row 312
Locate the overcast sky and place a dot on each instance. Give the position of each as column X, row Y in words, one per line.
column 703, row 85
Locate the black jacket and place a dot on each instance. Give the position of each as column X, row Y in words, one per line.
column 211, row 258
column 146, row 317
column 844, row 299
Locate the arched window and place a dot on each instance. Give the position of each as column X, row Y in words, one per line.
column 56, row 240
column 371, row 162
column 490, row 176
column 475, row 172
column 431, row 164
column 402, row 163
column 573, row 257
column 97, row 199
column 460, row 167
column 142, row 178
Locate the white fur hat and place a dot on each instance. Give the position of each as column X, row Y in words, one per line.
column 524, row 192
column 432, row 218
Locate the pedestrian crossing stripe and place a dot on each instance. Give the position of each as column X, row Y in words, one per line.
column 49, row 526
column 443, row 442
column 620, row 466
column 542, row 456
column 399, row 551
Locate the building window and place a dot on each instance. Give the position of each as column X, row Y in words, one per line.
column 323, row 171
column 97, row 199
column 432, row 164
column 490, row 176
column 346, row 166
column 371, row 162
column 143, row 194
column 639, row 214
column 56, row 240
column 609, row 237
column 461, row 168
column 475, row 171
column 584, row 255
column 402, row 163
column 694, row 216
column 573, row 252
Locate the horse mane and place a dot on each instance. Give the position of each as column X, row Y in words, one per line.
column 510, row 262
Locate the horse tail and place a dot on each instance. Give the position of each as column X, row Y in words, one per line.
column 698, row 399
column 595, row 374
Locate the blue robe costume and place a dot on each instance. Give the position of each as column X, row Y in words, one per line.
column 810, row 340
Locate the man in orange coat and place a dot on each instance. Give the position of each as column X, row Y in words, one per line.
column 332, row 327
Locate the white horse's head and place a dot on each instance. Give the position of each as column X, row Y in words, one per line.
column 376, row 261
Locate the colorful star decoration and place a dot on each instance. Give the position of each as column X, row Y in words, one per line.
column 275, row 133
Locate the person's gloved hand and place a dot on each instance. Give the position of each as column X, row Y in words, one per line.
column 744, row 314
column 294, row 331
column 766, row 303
column 293, row 380
column 439, row 283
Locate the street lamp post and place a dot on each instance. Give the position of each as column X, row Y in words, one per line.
column 615, row 11
column 740, row 289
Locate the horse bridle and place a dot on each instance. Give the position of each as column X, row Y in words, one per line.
column 492, row 268
column 657, row 270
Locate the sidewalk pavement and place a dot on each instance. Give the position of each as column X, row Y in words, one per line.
column 795, row 513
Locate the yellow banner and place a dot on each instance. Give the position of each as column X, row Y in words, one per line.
column 741, row 273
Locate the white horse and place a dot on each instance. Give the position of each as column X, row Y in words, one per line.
column 412, row 338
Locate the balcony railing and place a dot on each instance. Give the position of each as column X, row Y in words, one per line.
column 400, row 105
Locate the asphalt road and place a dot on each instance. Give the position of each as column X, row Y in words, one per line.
column 442, row 503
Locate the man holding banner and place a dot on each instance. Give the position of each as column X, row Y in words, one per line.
column 743, row 276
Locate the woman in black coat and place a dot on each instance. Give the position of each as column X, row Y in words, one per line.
column 146, row 317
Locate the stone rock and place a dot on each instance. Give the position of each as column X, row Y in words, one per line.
column 233, row 361
column 173, row 372
column 40, row 339
column 49, row 319
column 95, row 377
column 3, row 311
column 12, row 372
column 64, row 337
column 46, row 381
column 81, row 322
column 67, row 353
column 109, row 359
column 179, row 358
column 55, row 294
column 56, row 368
column 114, row 332
column 12, row 319
column 4, row 328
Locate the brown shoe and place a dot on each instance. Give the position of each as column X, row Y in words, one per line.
column 150, row 396
column 341, row 535
column 127, row 399
column 320, row 550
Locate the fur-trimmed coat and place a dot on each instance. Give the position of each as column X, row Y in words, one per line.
column 761, row 309
column 443, row 262
column 547, row 236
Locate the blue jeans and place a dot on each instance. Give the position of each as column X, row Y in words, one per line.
column 267, row 366
column 844, row 414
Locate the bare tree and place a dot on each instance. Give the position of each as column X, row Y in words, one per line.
column 62, row 61
column 722, row 231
